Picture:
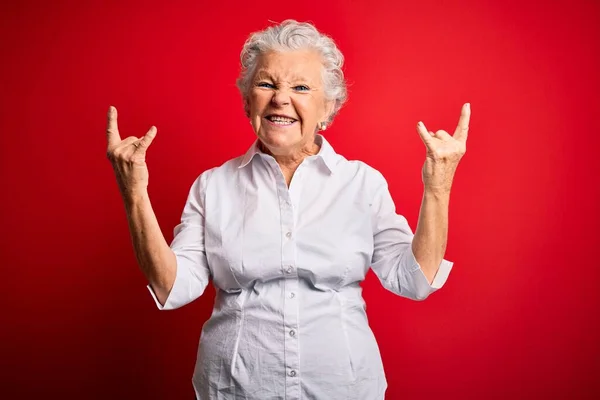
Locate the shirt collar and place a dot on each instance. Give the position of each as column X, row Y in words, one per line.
column 252, row 151
column 326, row 153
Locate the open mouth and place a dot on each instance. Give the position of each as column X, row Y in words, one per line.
column 280, row 120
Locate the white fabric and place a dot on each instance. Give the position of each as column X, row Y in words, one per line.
column 289, row 319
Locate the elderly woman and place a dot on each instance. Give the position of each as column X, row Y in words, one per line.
column 287, row 233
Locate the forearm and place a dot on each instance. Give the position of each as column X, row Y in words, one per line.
column 154, row 256
column 431, row 235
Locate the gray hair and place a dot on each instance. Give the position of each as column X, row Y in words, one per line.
column 293, row 35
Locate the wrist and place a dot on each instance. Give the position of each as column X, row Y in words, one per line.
column 133, row 198
column 439, row 182
column 437, row 192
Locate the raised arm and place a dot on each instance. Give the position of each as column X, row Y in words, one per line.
column 443, row 155
column 128, row 158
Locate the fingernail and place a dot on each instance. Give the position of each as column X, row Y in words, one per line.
column 468, row 105
column 420, row 124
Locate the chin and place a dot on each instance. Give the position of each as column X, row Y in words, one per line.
column 280, row 139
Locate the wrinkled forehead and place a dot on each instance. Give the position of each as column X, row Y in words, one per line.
column 290, row 66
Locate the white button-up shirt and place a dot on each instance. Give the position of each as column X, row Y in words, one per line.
column 289, row 318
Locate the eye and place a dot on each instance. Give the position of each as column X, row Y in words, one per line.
column 301, row 88
column 265, row 85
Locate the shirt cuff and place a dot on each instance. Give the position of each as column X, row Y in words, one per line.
column 424, row 288
column 158, row 305
column 174, row 298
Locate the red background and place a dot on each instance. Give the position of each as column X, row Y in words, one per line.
column 518, row 317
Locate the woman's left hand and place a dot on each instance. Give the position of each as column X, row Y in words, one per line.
column 444, row 152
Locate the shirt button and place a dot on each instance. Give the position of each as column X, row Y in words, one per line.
column 292, row 373
column 289, row 269
column 292, row 333
column 288, row 235
column 292, row 295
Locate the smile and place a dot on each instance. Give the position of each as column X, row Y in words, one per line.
column 280, row 120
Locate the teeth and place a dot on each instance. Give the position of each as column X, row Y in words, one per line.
column 281, row 120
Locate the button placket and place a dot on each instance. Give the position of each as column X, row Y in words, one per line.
column 290, row 287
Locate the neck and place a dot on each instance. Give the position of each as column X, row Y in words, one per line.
column 291, row 160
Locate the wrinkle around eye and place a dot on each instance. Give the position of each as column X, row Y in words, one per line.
column 265, row 85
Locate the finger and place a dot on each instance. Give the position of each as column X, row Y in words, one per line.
column 426, row 136
column 462, row 130
column 128, row 141
column 442, row 135
column 125, row 147
column 147, row 139
column 112, row 129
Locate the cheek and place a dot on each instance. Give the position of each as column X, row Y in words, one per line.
column 255, row 103
column 308, row 110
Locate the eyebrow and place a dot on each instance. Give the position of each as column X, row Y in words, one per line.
column 263, row 74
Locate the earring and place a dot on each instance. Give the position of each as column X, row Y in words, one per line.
column 322, row 126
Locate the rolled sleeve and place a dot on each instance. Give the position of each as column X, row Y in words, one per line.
column 393, row 260
column 416, row 286
column 193, row 273
column 186, row 288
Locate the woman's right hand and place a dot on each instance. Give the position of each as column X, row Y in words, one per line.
column 128, row 157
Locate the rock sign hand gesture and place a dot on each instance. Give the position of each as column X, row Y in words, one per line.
column 444, row 152
column 128, row 157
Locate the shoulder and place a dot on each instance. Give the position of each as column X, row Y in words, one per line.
column 225, row 170
column 217, row 173
column 360, row 170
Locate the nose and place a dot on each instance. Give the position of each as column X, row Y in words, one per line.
column 280, row 98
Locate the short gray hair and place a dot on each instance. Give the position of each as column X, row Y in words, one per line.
column 293, row 35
